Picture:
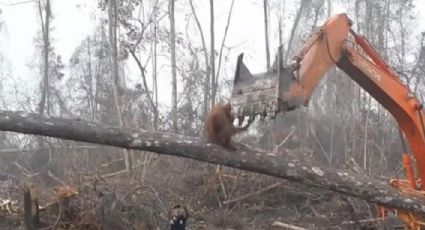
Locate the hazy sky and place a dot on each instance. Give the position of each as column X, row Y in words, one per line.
column 75, row 19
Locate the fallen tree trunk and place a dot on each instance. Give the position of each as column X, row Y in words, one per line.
column 292, row 166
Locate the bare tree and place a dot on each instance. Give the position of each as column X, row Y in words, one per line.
column 154, row 67
column 212, row 75
column 303, row 6
column 41, row 158
column 220, row 55
column 113, row 44
column 329, row 4
column 173, row 66
column 92, row 103
column 45, row 27
column 266, row 32
column 207, row 65
column 212, row 57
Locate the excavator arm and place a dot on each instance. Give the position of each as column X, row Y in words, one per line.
column 284, row 88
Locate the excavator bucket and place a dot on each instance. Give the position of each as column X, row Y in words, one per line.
column 260, row 94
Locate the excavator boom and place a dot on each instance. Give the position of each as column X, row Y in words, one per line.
column 287, row 87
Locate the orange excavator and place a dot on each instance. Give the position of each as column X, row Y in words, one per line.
column 287, row 87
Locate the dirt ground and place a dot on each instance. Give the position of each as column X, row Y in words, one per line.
column 216, row 198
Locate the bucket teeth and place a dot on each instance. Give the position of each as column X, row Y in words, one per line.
column 256, row 111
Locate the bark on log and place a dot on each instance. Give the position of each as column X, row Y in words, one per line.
column 292, row 166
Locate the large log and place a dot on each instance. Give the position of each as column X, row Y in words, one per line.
column 292, row 166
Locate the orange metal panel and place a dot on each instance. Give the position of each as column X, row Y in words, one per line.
column 331, row 45
column 321, row 52
column 389, row 91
